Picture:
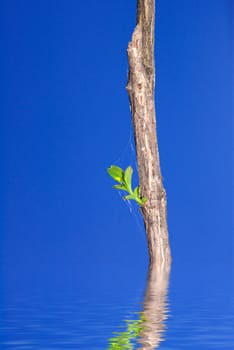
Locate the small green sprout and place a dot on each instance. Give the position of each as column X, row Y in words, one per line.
column 124, row 179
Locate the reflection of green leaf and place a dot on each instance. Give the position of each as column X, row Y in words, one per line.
column 116, row 173
column 128, row 178
column 124, row 340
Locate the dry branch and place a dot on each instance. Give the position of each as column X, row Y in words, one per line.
column 140, row 88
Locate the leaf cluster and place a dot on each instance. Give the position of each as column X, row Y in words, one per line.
column 124, row 179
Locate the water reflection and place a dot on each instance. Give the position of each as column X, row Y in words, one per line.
column 147, row 331
column 155, row 307
column 201, row 315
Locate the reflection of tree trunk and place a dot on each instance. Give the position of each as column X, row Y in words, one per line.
column 155, row 307
column 141, row 94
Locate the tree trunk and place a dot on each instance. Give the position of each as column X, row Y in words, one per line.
column 140, row 88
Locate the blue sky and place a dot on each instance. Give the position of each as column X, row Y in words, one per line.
column 65, row 118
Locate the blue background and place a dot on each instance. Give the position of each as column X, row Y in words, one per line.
column 65, row 118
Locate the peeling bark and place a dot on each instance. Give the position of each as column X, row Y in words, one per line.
column 140, row 89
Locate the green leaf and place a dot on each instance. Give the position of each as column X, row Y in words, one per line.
column 120, row 187
column 130, row 196
column 116, row 173
column 128, row 178
column 124, row 179
column 138, row 199
column 137, row 191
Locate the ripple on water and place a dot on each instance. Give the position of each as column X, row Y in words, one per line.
column 191, row 322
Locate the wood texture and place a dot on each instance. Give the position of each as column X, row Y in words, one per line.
column 140, row 88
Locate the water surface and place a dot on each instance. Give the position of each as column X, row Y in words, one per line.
column 195, row 312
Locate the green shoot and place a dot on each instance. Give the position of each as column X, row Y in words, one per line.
column 124, row 179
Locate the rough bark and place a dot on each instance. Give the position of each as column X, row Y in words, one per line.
column 140, row 88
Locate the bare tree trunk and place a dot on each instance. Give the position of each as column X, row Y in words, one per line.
column 140, row 88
